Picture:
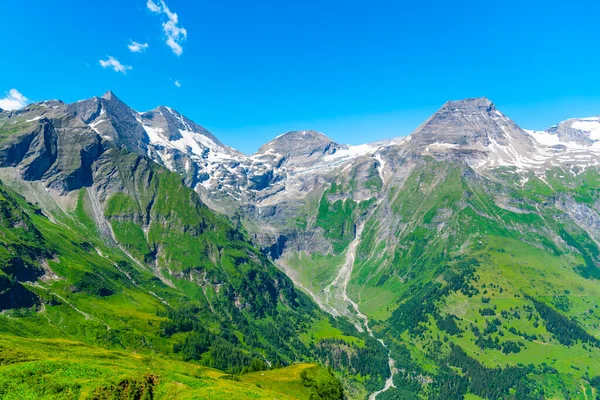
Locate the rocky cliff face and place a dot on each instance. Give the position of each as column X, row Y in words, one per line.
column 48, row 143
column 113, row 120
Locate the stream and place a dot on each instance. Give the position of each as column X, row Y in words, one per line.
column 338, row 287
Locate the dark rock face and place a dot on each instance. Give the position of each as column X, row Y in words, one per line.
column 276, row 249
column 15, row 295
column 88, row 110
column 260, row 181
column 57, row 150
column 15, row 148
column 42, row 152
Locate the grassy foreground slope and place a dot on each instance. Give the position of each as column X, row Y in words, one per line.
column 64, row 369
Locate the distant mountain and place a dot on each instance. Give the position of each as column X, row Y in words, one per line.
column 582, row 132
column 299, row 148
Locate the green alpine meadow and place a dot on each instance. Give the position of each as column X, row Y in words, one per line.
column 141, row 258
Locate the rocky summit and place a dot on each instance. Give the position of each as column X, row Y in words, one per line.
column 459, row 261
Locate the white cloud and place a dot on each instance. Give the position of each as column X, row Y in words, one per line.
column 115, row 65
column 13, row 100
column 177, row 83
column 137, row 47
column 175, row 34
column 152, row 6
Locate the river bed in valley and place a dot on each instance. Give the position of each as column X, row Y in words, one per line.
column 338, row 287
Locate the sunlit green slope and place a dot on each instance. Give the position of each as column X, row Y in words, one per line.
column 480, row 285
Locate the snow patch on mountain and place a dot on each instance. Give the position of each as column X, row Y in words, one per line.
column 589, row 125
column 348, row 153
column 544, row 138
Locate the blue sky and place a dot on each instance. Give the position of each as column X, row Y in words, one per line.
column 356, row 70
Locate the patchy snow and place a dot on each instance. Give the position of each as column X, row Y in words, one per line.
column 351, row 152
column 441, row 146
column 34, row 119
column 94, row 124
column 202, row 146
column 155, row 135
column 589, row 125
column 225, row 170
column 188, row 141
column 381, row 166
column 545, row 138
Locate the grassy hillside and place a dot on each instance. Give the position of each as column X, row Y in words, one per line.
column 179, row 284
column 64, row 369
column 484, row 287
column 487, row 283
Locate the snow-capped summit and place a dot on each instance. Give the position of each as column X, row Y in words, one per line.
column 574, row 133
column 170, row 131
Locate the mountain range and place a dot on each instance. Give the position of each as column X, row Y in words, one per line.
column 460, row 261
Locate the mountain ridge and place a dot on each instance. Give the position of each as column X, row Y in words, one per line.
column 451, row 107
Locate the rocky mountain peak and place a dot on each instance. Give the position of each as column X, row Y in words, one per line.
column 113, row 120
column 305, row 135
column 471, row 123
column 471, row 105
column 110, row 96
column 475, row 131
column 300, row 144
column 162, row 119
